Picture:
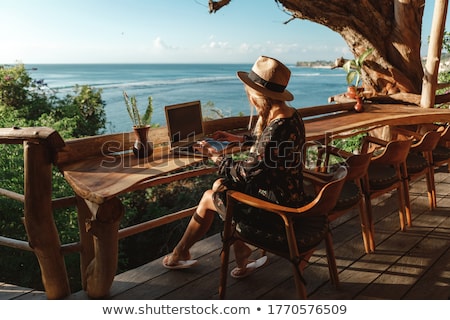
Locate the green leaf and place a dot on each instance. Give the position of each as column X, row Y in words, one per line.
column 351, row 76
column 133, row 111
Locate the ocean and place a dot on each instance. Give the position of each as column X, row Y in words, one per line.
column 215, row 84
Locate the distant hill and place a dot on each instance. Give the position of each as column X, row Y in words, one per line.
column 444, row 65
column 315, row 64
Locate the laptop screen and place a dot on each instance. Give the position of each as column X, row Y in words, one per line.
column 184, row 123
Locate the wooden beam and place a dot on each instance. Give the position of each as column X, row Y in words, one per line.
column 41, row 229
column 434, row 54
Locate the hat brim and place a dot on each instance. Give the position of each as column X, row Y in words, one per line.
column 282, row 96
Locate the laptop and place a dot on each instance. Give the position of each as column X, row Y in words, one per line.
column 185, row 128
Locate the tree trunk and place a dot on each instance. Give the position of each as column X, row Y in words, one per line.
column 392, row 27
column 395, row 65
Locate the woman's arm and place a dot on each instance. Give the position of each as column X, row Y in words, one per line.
column 223, row 135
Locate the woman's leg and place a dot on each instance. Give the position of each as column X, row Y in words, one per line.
column 198, row 226
column 241, row 254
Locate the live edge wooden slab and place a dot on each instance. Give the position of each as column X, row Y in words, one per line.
column 373, row 116
column 99, row 179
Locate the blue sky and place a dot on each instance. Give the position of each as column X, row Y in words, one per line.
column 162, row 31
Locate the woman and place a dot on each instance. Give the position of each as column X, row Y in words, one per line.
column 272, row 171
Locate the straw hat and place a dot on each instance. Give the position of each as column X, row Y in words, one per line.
column 269, row 77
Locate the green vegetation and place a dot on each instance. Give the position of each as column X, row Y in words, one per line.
column 444, row 76
column 25, row 103
column 133, row 111
column 353, row 68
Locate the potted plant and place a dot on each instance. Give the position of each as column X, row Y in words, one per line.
column 354, row 77
column 141, row 125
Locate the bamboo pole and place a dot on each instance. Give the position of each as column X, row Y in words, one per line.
column 41, row 229
column 434, row 54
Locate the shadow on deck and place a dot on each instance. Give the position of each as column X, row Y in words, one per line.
column 406, row 265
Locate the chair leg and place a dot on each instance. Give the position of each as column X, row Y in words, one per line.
column 224, row 258
column 331, row 258
column 404, row 205
column 227, row 241
column 298, row 278
column 432, row 192
column 369, row 243
column 370, row 228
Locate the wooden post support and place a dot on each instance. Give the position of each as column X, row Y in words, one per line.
column 104, row 227
column 434, row 54
column 87, row 253
column 41, row 229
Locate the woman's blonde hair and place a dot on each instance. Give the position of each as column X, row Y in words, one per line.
column 264, row 105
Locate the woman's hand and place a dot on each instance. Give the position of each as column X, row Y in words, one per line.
column 216, row 159
column 205, row 148
column 226, row 136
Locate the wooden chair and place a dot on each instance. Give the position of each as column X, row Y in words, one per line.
column 387, row 172
column 441, row 154
column 292, row 233
column 353, row 192
column 419, row 162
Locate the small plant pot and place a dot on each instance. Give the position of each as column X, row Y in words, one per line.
column 351, row 92
column 359, row 107
column 142, row 147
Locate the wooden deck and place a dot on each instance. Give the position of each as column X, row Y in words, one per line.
column 406, row 265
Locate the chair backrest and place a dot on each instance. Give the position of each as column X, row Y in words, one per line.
column 445, row 137
column 394, row 153
column 357, row 165
column 322, row 204
column 327, row 197
column 428, row 142
column 443, row 130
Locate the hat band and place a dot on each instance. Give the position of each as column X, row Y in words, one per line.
column 266, row 84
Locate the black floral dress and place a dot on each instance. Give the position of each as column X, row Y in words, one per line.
column 273, row 169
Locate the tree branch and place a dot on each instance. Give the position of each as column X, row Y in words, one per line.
column 217, row 5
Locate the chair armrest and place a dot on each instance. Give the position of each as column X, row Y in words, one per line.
column 324, row 153
column 316, row 181
column 262, row 204
column 407, row 133
column 319, row 178
column 369, row 139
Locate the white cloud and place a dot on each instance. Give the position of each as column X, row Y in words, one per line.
column 218, row 45
column 160, row 45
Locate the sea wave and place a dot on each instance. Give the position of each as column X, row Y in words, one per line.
column 150, row 83
column 306, row 74
column 318, row 74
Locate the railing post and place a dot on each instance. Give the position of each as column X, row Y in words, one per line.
column 41, row 229
column 431, row 69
